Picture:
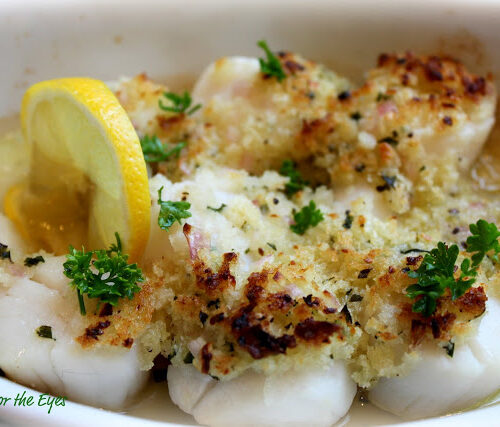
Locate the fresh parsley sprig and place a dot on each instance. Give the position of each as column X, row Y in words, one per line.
column 102, row 274
column 271, row 66
column 154, row 150
column 483, row 240
column 436, row 273
column 296, row 182
column 179, row 103
column 306, row 218
column 171, row 212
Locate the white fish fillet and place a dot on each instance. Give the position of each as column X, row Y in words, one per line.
column 439, row 384
column 316, row 397
column 104, row 377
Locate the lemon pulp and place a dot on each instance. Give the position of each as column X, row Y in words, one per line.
column 48, row 220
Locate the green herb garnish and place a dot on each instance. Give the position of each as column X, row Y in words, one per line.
column 30, row 262
column 271, row 66
column 272, row 246
column 436, row 272
column 5, row 252
column 45, row 331
column 102, row 274
column 179, row 103
column 154, row 150
column 449, row 347
column 356, row 116
column 348, row 220
column 188, row 358
column 171, row 212
column 306, row 218
column 383, row 97
column 296, row 182
column 483, row 240
column 219, row 209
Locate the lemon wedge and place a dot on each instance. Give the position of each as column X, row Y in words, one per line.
column 87, row 177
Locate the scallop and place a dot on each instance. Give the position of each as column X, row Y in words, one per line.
column 440, row 384
column 313, row 397
column 250, row 120
column 105, row 376
column 226, row 78
column 431, row 109
column 426, row 109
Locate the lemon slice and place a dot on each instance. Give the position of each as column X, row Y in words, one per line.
column 87, row 176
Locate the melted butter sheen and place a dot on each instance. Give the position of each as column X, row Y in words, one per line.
column 46, row 219
column 49, row 220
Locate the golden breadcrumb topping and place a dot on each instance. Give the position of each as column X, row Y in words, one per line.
column 387, row 164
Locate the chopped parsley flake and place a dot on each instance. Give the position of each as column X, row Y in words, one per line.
column 383, row 97
column 45, row 332
column 271, row 66
column 409, row 251
column 449, row 347
column 5, row 252
column 102, row 274
column 343, row 96
column 214, row 303
column 271, row 245
column 356, row 298
column 348, row 220
column 179, row 103
column 30, row 262
column 296, row 182
column 171, row 212
column 219, row 209
column 189, row 358
column 347, row 314
column 356, row 116
column 203, row 317
column 154, row 150
column 306, row 218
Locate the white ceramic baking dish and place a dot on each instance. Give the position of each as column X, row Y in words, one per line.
column 107, row 39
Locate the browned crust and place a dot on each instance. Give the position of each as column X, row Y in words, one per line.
column 447, row 76
column 440, row 325
column 119, row 326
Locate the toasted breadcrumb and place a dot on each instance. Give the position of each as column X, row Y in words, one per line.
column 236, row 288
